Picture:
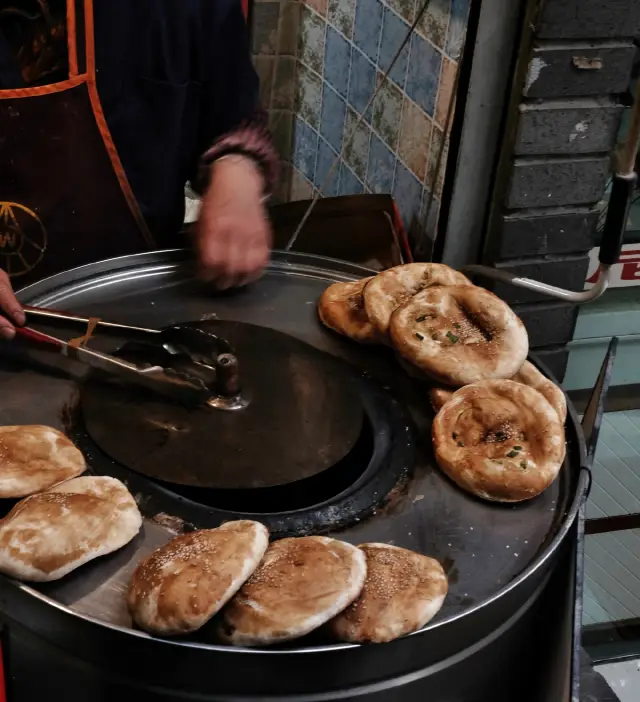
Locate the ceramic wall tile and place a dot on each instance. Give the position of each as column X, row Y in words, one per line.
column 341, row 14
column 415, row 138
column 312, row 35
column 368, row 26
column 387, row 109
column 326, row 159
column 423, row 74
column 264, row 37
column 381, row 167
column 394, row 31
column 332, row 118
column 320, row 61
column 337, row 61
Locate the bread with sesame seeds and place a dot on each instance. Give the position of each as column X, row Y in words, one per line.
column 499, row 440
column 46, row 536
column 181, row 585
column 459, row 335
column 402, row 592
column 34, row 458
column 300, row 585
column 341, row 308
column 391, row 288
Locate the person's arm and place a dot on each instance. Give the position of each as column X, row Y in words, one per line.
column 10, row 311
column 239, row 165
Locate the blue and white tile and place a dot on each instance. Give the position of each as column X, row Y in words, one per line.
column 350, row 184
column 381, row 166
column 362, row 82
column 342, row 15
column 394, row 31
column 337, row 61
column 387, row 111
column 309, row 95
column 326, row 158
column 423, row 74
column 305, row 147
column 435, row 22
column 312, row 36
column 356, row 153
column 407, row 192
column 332, row 120
column 368, row 26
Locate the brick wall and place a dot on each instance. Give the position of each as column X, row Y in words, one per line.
column 565, row 110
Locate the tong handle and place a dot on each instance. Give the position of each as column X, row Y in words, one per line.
column 47, row 315
column 38, row 338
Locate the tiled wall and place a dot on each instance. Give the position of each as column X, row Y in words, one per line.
column 342, row 49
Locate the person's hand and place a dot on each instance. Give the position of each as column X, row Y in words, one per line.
column 233, row 235
column 10, row 311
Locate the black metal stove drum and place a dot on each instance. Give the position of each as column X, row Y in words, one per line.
column 378, row 483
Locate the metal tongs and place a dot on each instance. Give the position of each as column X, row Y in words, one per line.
column 205, row 371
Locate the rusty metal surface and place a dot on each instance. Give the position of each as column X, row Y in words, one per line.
column 488, row 550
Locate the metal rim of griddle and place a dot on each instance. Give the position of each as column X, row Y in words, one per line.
column 161, row 263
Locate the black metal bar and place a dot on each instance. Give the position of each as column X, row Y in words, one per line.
column 606, row 525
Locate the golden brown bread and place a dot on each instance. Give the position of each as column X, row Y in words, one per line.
column 46, row 536
column 341, row 308
column 402, row 592
column 181, row 585
column 391, row 288
column 499, row 440
column 33, row 458
column 299, row 586
column 459, row 335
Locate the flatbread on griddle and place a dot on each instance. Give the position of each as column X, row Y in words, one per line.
column 402, row 592
column 299, row 586
column 34, row 458
column 499, row 440
column 181, row 585
column 341, row 308
column 46, row 536
column 527, row 375
column 531, row 376
column 391, row 288
column 459, row 335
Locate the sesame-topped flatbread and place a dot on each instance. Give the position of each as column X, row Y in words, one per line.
column 531, row 376
column 34, row 458
column 300, row 585
column 341, row 308
column 402, row 592
column 391, row 288
column 459, row 335
column 499, row 440
column 181, row 585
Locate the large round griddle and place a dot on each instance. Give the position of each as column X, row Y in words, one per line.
column 496, row 556
column 304, row 415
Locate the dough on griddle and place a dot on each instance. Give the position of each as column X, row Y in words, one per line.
column 181, row 585
column 527, row 375
column 341, row 308
column 34, row 458
column 46, row 536
column 300, row 585
column 499, row 440
column 402, row 592
column 391, row 288
column 531, row 376
column 460, row 335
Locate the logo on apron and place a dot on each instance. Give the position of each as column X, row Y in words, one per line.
column 23, row 239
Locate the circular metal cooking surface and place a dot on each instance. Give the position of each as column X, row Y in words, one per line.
column 304, row 416
column 488, row 550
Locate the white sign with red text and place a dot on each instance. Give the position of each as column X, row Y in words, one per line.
column 624, row 274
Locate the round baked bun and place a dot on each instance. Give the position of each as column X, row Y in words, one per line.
column 181, row 585
column 341, row 308
column 34, row 458
column 300, row 585
column 402, row 592
column 459, row 335
column 531, row 376
column 389, row 289
column 499, row 440
column 439, row 397
column 46, row 536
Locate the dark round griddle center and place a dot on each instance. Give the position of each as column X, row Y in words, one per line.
column 304, row 416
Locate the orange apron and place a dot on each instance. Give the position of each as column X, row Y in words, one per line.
column 64, row 196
